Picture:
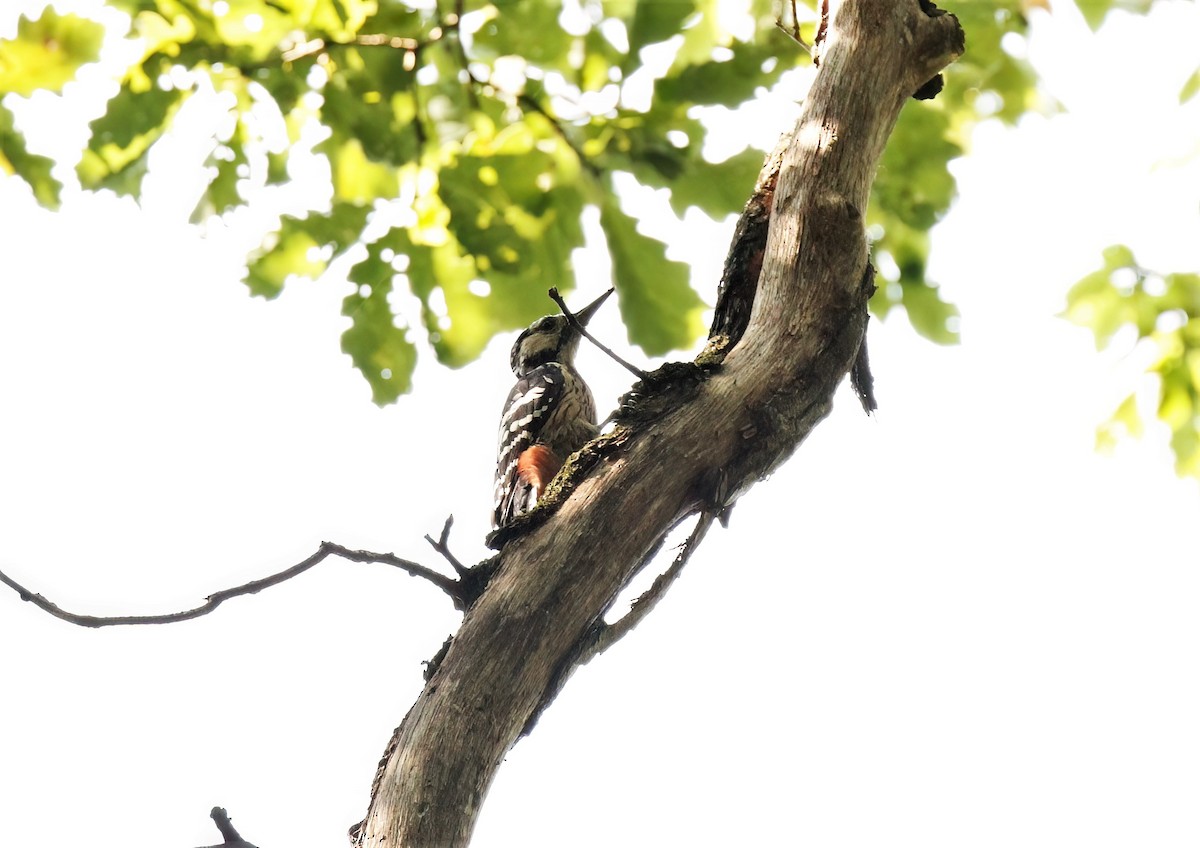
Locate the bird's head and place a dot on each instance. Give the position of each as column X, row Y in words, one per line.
column 550, row 338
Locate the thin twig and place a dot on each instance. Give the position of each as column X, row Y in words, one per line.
column 579, row 328
column 645, row 603
column 794, row 31
column 442, row 546
column 447, row 584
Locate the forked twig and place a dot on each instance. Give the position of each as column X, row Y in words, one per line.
column 442, row 546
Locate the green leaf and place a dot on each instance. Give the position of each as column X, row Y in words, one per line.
column 466, row 324
column 657, row 20
column 717, row 188
column 914, row 183
column 291, row 254
column 703, row 34
column 296, row 249
column 1095, row 11
column 1164, row 311
column 1118, row 256
column 932, row 317
column 1124, row 422
column 230, row 168
column 729, row 82
column 987, row 68
column 505, row 203
column 1095, row 301
column 47, row 52
column 356, row 108
column 661, row 310
column 1190, row 88
column 16, row 159
column 116, row 155
column 529, row 29
column 356, row 179
column 379, row 347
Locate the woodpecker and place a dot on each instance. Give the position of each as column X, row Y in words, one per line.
column 550, row 412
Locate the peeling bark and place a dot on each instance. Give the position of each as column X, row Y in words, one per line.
column 732, row 422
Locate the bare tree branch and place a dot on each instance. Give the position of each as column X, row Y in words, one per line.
column 645, row 603
column 462, row 594
column 442, row 546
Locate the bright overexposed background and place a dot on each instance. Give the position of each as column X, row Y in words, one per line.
column 953, row 624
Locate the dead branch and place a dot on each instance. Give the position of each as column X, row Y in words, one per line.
column 462, row 593
column 608, row 635
column 442, row 546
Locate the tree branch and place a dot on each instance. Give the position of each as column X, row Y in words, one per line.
column 803, row 329
column 644, row 604
column 442, row 546
column 461, row 593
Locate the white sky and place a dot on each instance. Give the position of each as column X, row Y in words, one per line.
column 951, row 625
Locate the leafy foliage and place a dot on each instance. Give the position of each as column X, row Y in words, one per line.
column 47, row 52
column 1190, row 88
column 1095, row 11
column 464, row 141
column 1161, row 311
column 34, row 169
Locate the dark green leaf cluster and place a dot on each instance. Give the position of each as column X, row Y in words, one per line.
column 1161, row 311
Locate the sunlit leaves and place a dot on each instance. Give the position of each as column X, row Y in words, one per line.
column 356, row 179
column 717, row 188
column 47, row 52
column 304, row 247
column 1095, row 11
column 464, row 144
column 657, row 20
column 731, row 79
column 989, row 79
column 34, row 169
column 1162, row 313
column 370, row 100
column 529, row 29
column 901, row 281
column 497, row 125
column 1190, row 88
column 660, row 309
column 913, row 190
column 117, row 153
column 376, row 341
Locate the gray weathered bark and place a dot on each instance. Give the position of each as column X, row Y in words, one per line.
column 554, row 582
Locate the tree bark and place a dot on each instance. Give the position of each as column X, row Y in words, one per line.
column 553, row 583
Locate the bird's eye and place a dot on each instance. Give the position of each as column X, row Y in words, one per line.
column 543, row 324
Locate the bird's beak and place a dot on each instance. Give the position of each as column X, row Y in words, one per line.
column 584, row 315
